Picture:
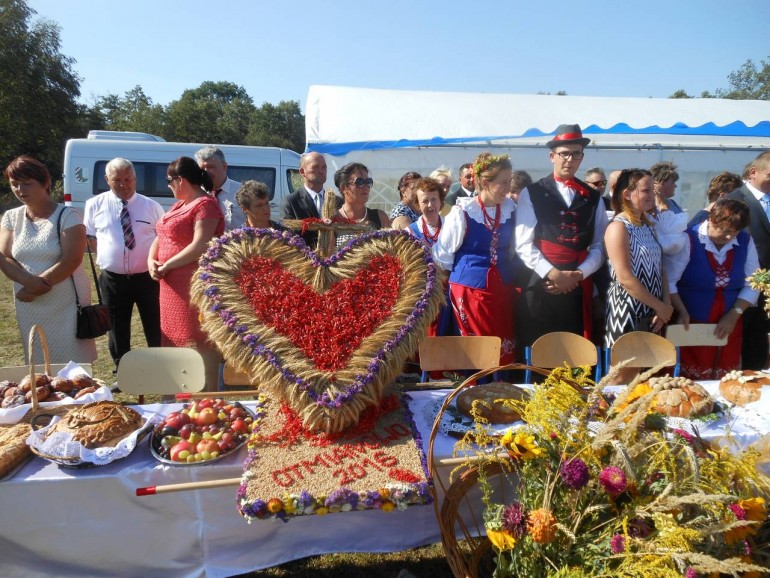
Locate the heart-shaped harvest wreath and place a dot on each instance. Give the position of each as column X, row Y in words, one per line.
column 324, row 335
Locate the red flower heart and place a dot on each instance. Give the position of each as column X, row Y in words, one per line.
column 326, row 336
column 326, row 327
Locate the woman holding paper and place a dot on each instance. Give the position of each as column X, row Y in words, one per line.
column 708, row 285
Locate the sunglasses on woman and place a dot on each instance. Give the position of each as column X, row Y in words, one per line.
column 361, row 183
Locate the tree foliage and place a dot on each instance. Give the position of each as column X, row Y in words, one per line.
column 281, row 125
column 749, row 82
column 39, row 88
column 134, row 111
column 215, row 112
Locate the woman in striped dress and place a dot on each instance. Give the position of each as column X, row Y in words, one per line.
column 638, row 296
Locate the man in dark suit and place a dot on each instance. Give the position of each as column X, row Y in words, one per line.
column 308, row 201
column 560, row 223
column 466, row 188
column 755, row 192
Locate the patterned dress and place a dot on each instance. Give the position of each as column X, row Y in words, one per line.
column 179, row 323
column 624, row 313
column 36, row 247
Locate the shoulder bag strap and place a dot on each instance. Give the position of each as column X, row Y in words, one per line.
column 90, row 259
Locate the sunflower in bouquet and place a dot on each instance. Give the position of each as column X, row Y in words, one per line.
column 607, row 489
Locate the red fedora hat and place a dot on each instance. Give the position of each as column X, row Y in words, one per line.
column 568, row 134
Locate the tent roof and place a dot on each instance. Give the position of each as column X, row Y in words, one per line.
column 342, row 119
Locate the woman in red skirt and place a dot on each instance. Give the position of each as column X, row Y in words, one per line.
column 708, row 285
column 476, row 245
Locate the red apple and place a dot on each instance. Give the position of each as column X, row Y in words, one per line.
column 206, row 402
column 174, row 420
column 207, row 416
column 181, row 446
column 209, row 445
column 240, row 426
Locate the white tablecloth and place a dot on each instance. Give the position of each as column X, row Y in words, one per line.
column 88, row 522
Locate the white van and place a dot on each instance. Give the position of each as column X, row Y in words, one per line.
column 85, row 160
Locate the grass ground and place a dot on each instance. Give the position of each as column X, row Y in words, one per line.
column 419, row 562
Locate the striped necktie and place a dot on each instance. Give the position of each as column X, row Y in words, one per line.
column 125, row 223
column 765, row 201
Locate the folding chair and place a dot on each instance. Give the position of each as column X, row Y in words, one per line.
column 161, row 371
column 559, row 347
column 458, row 353
column 645, row 350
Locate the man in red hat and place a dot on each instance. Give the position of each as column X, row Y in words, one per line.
column 560, row 225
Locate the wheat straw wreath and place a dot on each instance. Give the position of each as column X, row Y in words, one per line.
column 325, row 335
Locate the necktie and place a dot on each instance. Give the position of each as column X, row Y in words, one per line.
column 125, row 223
column 766, row 204
column 319, row 203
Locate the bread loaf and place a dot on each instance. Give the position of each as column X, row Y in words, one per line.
column 491, row 406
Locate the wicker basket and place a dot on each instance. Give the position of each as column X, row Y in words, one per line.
column 34, row 415
column 470, row 556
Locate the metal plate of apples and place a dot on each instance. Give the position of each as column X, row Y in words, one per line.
column 202, row 432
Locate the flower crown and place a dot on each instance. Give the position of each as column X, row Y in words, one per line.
column 482, row 164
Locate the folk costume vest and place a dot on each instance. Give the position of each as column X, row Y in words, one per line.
column 473, row 259
column 697, row 287
column 563, row 235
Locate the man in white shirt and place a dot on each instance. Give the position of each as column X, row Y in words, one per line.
column 120, row 225
column 560, row 225
column 212, row 160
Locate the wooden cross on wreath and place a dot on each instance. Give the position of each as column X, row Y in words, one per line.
column 328, row 226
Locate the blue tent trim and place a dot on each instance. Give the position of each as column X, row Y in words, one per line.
column 734, row 129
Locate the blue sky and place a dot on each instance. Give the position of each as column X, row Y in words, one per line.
column 275, row 50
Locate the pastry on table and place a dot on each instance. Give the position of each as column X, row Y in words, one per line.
column 496, row 412
column 99, row 424
column 13, row 446
column 742, row 387
column 681, row 397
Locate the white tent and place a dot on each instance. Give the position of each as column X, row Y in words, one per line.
column 394, row 131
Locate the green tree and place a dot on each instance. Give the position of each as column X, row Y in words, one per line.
column 134, row 111
column 749, row 82
column 280, row 126
column 39, row 89
column 215, row 112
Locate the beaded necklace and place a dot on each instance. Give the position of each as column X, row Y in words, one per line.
column 426, row 231
column 492, row 225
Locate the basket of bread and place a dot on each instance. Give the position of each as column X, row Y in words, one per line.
column 93, row 434
column 23, row 389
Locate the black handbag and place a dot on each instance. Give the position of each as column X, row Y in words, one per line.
column 92, row 320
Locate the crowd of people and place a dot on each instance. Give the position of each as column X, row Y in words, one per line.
column 524, row 257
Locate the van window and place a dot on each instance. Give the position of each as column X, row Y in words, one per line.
column 294, row 180
column 151, row 178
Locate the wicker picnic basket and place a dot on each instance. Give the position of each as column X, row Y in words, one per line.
column 470, row 555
